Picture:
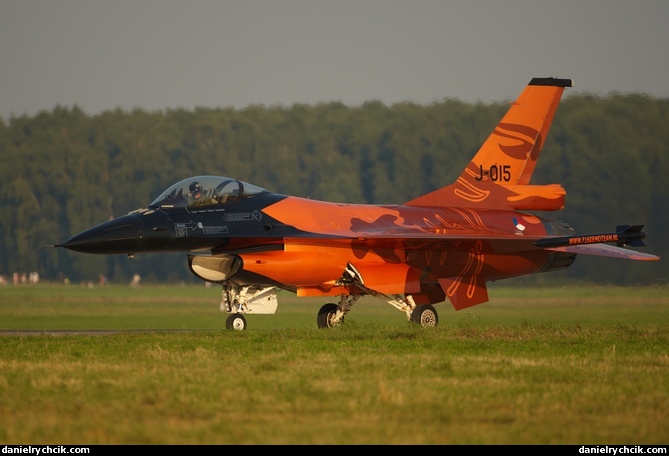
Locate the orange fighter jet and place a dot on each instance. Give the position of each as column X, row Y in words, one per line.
column 444, row 245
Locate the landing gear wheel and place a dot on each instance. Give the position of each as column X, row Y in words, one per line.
column 236, row 322
column 326, row 316
column 425, row 315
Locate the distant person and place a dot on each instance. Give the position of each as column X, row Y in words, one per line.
column 134, row 283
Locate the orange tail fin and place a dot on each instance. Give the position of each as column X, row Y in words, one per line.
column 499, row 174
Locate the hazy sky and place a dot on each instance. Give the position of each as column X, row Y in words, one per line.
column 160, row 54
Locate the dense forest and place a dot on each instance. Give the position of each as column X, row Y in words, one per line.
column 64, row 171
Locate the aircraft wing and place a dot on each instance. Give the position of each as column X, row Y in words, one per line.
column 604, row 250
column 410, row 238
column 504, row 243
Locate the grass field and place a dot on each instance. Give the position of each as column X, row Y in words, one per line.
column 570, row 365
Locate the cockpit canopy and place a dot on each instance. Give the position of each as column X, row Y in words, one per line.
column 205, row 191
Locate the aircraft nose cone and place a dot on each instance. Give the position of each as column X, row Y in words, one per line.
column 122, row 235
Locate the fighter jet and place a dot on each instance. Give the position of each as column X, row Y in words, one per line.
column 444, row 245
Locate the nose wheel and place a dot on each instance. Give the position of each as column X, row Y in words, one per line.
column 236, row 322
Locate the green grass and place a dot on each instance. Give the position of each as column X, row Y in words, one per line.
column 570, row 365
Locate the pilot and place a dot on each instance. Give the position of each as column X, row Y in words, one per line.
column 195, row 191
column 198, row 196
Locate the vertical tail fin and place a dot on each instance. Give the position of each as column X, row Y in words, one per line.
column 499, row 174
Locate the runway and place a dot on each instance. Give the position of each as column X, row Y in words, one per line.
column 93, row 332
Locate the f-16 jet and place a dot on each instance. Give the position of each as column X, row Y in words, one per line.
column 444, row 245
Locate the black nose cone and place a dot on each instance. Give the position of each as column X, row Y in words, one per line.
column 122, row 235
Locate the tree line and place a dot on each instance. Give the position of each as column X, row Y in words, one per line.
column 63, row 171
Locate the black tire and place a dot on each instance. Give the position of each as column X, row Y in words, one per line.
column 326, row 314
column 236, row 322
column 425, row 316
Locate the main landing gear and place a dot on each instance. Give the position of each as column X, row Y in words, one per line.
column 425, row 315
column 331, row 314
column 327, row 316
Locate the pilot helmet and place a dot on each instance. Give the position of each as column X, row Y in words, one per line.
column 195, row 188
